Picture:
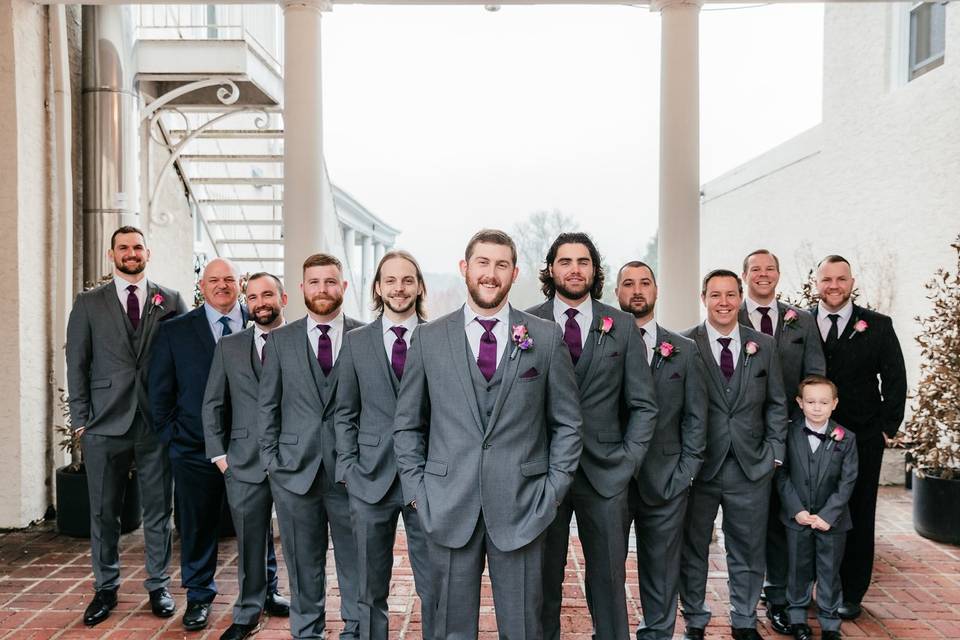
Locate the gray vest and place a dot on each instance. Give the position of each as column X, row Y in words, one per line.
column 486, row 391
column 731, row 391
column 814, row 460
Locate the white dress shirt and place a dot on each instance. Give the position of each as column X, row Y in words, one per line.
column 823, row 319
column 584, row 316
column 122, row 293
column 650, row 338
column 389, row 337
column 756, row 317
column 335, row 333
column 259, row 339
column 501, row 330
column 814, row 440
column 717, row 348
column 234, row 319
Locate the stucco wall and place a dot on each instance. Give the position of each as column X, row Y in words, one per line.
column 876, row 181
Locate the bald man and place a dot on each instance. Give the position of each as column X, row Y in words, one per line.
column 180, row 362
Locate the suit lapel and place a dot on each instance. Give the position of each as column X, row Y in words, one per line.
column 829, row 445
column 458, row 346
column 254, row 356
column 202, row 328
column 595, row 348
column 510, row 370
column 310, row 361
column 113, row 310
column 744, row 369
column 706, row 354
column 657, row 358
column 152, row 313
column 781, row 311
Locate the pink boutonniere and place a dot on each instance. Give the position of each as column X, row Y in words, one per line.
column 157, row 300
column 606, row 324
column 859, row 327
column 666, row 351
column 838, row 433
column 751, row 348
column 521, row 340
column 790, row 317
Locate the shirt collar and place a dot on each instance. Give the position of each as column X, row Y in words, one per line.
column 257, row 331
column 713, row 334
column 336, row 323
column 651, row 328
column 469, row 315
column 214, row 316
column 844, row 312
column 560, row 307
column 822, row 429
column 752, row 305
column 122, row 284
column 410, row 324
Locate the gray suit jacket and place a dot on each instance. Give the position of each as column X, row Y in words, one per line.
column 616, row 399
column 519, row 468
column 799, row 346
column 106, row 371
column 833, row 485
column 230, row 406
column 754, row 422
column 364, row 415
column 296, row 415
column 676, row 451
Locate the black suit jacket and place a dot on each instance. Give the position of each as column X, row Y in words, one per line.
column 866, row 407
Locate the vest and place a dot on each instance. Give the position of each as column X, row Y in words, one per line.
column 486, row 392
column 814, row 460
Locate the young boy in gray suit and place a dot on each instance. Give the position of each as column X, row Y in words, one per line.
column 815, row 485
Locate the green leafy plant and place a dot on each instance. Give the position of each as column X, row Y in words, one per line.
column 68, row 441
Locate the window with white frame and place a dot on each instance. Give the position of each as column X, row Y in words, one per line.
column 928, row 21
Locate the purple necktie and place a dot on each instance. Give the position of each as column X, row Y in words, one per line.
column 726, row 358
column 399, row 357
column 766, row 324
column 487, row 360
column 133, row 306
column 571, row 335
column 324, row 350
column 263, row 349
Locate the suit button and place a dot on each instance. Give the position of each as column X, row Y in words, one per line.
column 728, row 389
column 488, row 413
column 489, row 389
column 486, row 445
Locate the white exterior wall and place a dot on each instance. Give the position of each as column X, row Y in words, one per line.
column 876, row 181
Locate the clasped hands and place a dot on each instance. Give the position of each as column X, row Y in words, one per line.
column 816, row 522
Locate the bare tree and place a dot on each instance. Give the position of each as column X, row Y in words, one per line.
column 534, row 236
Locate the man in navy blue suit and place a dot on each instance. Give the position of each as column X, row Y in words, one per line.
column 180, row 363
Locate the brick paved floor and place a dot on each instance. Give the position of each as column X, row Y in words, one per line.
column 45, row 583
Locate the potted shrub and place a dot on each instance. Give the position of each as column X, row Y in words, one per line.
column 934, row 428
column 73, row 501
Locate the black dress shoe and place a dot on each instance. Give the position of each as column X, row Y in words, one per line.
column 802, row 632
column 196, row 616
column 744, row 633
column 162, row 603
column 831, row 635
column 240, row 631
column 277, row 605
column 777, row 613
column 849, row 611
column 99, row 608
column 693, row 633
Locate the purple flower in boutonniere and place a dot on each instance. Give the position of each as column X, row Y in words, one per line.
column 606, row 324
column 790, row 317
column 521, row 340
column 859, row 327
column 666, row 351
column 750, row 348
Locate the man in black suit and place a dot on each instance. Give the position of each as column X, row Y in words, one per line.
column 798, row 344
column 108, row 352
column 860, row 346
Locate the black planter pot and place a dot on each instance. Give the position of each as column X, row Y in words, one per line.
column 73, row 504
column 935, row 512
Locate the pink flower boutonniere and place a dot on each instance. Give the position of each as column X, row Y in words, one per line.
column 751, row 349
column 859, row 327
column 606, row 324
column 838, row 433
column 666, row 351
column 790, row 317
column 157, row 301
column 521, row 340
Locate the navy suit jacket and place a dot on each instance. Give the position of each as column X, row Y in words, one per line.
column 180, row 359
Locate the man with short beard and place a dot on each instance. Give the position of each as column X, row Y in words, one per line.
column 658, row 497
column 230, row 431
column 372, row 364
column 487, row 437
column 619, row 416
column 861, row 346
column 109, row 335
column 297, row 397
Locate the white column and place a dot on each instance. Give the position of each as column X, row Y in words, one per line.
column 303, row 170
column 679, row 245
column 378, row 250
column 368, row 263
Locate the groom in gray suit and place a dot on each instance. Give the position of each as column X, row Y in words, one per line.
column 230, row 434
column 658, row 498
column 801, row 355
column 372, row 364
column 619, row 417
column 487, row 438
column 108, row 345
column 746, row 431
column 297, row 446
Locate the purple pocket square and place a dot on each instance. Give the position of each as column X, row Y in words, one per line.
column 529, row 373
column 614, row 354
column 675, row 376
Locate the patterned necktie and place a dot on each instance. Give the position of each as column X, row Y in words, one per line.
column 833, row 335
column 766, row 324
column 225, row 321
column 324, row 350
column 487, row 360
column 399, row 357
column 571, row 335
column 726, row 358
column 133, row 306
column 263, row 349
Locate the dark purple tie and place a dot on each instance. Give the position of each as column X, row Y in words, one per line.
column 133, row 306
column 487, row 360
column 399, row 357
column 571, row 335
column 766, row 324
column 324, row 350
column 263, row 349
column 726, row 358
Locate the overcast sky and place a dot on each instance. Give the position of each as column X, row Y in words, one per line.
column 442, row 120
